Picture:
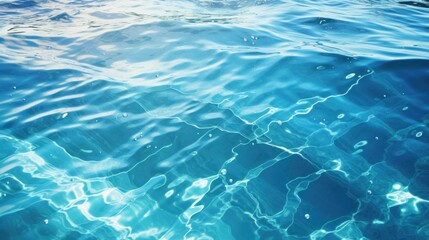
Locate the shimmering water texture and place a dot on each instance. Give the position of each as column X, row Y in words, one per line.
column 214, row 119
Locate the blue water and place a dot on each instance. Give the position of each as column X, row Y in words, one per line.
column 214, row 119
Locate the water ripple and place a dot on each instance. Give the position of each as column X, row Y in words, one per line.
column 221, row 119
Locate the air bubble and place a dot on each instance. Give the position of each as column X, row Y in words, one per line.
column 405, row 108
column 124, row 115
column 210, row 135
column 360, row 144
column 419, row 134
column 357, row 152
column 223, row 171
column 245, row 39
column 340, row 116
column 46, row 221
column 307, row 216
column 64, row 115
column 350, row 75
column 169, row 193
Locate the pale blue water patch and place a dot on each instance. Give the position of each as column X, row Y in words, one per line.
column 221, row 119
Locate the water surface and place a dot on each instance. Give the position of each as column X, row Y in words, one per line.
column 214, row 119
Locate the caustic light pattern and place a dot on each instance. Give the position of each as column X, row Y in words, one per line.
column 222, row 119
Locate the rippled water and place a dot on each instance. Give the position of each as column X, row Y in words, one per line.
column 214, row 119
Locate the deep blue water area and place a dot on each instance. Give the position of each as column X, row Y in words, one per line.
column 214, row 119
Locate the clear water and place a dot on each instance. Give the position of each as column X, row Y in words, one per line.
column 214, row 119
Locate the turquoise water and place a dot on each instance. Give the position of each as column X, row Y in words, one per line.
column 214, row 119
